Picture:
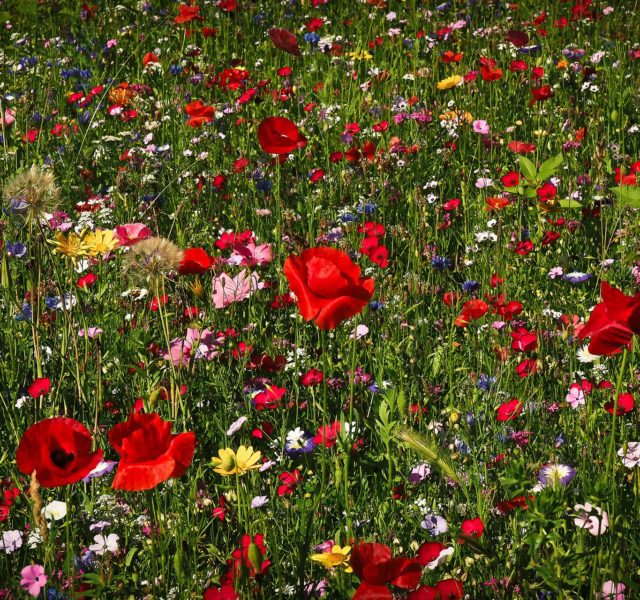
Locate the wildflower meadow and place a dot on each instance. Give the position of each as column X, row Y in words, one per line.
column 319, row 299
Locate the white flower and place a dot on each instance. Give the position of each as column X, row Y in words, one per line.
column 584, row 356
column 591, row 518
column 11, row 541
column 55, row 510
column 105, row 544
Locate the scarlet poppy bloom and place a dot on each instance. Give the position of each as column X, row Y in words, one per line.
column 521, row 147
column 284, row 40
column 290, row 481
column 473, row 309
column 195, row 261
column 327, row 434
column 375, row 568
column 150, row 57
column 489, row 70
column 472, row 528
column 40, row 387
column 546, row 192
column 497, row 203
column 199, row 113
column 328, row 286
column 311, row 377
column 187, row 14
column 612, row 322
column 508, row 411
column 278, row 135
column 517, row 38
column 149, row 452
column 86, row 281
column 526, row 367
column 58, row 450
column 625, row 404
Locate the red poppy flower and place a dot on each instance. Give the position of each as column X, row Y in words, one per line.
column 489, row 70
column 446, row 589
column 150, row 57
column 311, row 377
column 149, row 452
column 224, row 592
column 546, row 192
column 187, row 14
column 58, row 450
column 290, row 481
column 375, row 568
column 521, row 147
column 497, row 203
column 523, row 340
column 526, row 367
column 517, row 38
column 541, row 94
column 40, row 387
column 625, row 404
column 472, row 528
column 284, row 40
column 328, row 286
column 327, row 434
column 199, row 113
column 511, row 179
column 278, row 135
column 195, row 261
column 508, row 411
column 86, row 281
column 523, row 248
column 612, row 322
column 473, row 309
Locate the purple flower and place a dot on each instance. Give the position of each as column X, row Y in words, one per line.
column 419, row 474
column 103, row 468
column 576, row 277
column 435, row 525
column 551, row 475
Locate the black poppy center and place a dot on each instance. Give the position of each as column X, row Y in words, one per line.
column 61, row 459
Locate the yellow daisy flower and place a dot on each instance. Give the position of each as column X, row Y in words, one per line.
column 228, row 462
column 449, row 82
column 337, row 558
column 100, row 241
column 71, row 246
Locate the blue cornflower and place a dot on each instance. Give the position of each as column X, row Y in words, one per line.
column 376, row 305
column 576, row 277
column 441, row 263
column 264, row 185
column 470, row 286
column 313, row 38
column 25, row 314
column 348, row 218
column 486, row 383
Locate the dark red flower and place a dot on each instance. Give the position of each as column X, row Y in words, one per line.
column 613, row 322
column 224, row 592
column 40, row 387
column 540, row 94
column 149, row 452
column 328, row 286
column 285, row 40
column 526, row 367
column 278, row 135
column 376, row 569
column 195, row 261
column 446, row 589
column 508, row 411
column 517, row 38
column 58, row 450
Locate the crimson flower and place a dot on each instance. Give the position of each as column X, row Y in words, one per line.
column 472, row 309
column 446, row 589
column 612, row 322
column 278, row 135
column 541, row 94
column 376, row 569
column 625, row 404
column 472, row 528
column 508, row 411
column 187, row 13
column 523, row 340
column 149, row 452
column 40, row 387
column 58, row 450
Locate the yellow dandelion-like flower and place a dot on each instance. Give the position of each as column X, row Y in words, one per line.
column 31, row 194
column 100, row 241
column 153, row 258
column 360, row 55
column 449, row 82
column 338, row 557
column 228, row 462
column 72, row 245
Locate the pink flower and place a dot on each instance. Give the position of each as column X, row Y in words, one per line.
column 612, row 591
column 227, row 290
column 482, row 127
column 591, row 518
column 9, row 116
column 33, row 579
column 249, row 255
column 132, row 233
column 91, row 332
column 575, row 397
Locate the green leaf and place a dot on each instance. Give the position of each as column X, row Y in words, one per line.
column 527, row 167
column 549, row 167
column 628, row 195
column 569, row 203
column 530, row 192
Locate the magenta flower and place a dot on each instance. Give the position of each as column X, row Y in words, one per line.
column 481, row 127
column 33, row 579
